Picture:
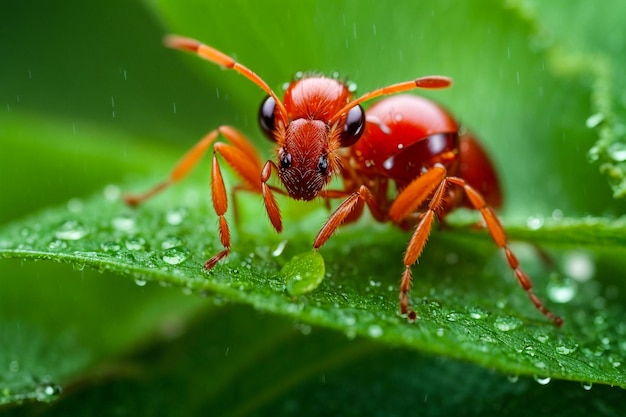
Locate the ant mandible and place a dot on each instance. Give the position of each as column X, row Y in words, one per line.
column 321, row 131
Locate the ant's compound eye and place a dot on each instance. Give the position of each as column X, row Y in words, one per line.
column 285, row 160
column 353, row 129
column 266, row 116
column 322, row 164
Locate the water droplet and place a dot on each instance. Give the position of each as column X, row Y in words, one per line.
column 176, row 216
column 529, row 350
column 75, row 205
column 579, row 266
column 303, row 273
column 452, row 317
column 534, row 223
column 279, row 248
column 557, row 214
column 617, row 151
column 562, row 292
column 375, row 284
column 352, row 86
column 594, row 154
column 349, row 320
column 171, row 242
column 513, row 378
column 563, row 349
column 110, row 246
column 47, row 392
column 594, row 120
column 175, row 256
column 71, row 230
column 124, row 223
column 542, row 337
column 477, row 313
column 586, row 385
column 440, row 331
column 305, row 329
column 542, row 380
column 507, row 323
column 140, row 282
column 57, row 244
column 138, row 243
column 112, row 192
column 388, row 163
column 375, row 331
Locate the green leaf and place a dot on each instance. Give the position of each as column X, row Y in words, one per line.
column 67, row 139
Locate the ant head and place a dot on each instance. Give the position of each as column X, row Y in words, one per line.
column 307, row 144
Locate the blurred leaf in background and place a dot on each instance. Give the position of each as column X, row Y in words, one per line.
column 92, row 105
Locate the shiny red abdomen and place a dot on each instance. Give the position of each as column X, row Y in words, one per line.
column 406, row 134
column 395, row 143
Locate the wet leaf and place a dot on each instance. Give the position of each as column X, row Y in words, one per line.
column 73, row 143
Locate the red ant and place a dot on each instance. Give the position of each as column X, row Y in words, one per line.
column 321, row 131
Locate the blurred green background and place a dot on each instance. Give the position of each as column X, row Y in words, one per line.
column 90, row 97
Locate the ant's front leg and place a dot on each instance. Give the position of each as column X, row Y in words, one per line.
column 239, row 154
column 345, row 212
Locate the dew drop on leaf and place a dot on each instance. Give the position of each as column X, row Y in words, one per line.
column 542, row 380
column 562, row 292
column 375, row 331
column 505, row 323
column 175, row 256
column 594, row 120
column 110, row 247
column 137, row 243
column 176, row 216
column 124, row 223
column 303, row 273
column 534, row 223
column 452, row 317
column 279, row 248
column 75, row 205
column 564, row 349
column 47, row 392
column 112, row 192
column 477, row 313
column 513, row 378
column 617, row 151
column 140, row 282
column 57, row 244
column 579, row 266
column 171, row 242
column 71, row 230
column 586, row 385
